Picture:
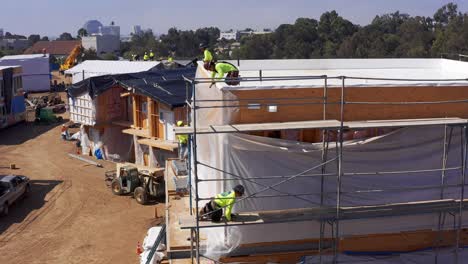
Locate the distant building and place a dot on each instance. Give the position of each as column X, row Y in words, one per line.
column 110, row 30
column 137, row 30
column 102, row 44
column 92, row 27
column 250, row 33
column 125, row 38
column 14, row 44
column 58, row 48
column 36, row 70
column 228, row 35
column 1, row 32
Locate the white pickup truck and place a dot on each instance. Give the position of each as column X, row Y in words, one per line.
column 12, row 188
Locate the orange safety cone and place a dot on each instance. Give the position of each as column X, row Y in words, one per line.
column 139, row 250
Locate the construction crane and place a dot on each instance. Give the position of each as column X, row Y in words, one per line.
column 70, row 61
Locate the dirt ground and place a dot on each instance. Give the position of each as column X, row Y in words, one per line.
column 70, row 216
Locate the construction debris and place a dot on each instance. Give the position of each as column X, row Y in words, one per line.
column 85, row 160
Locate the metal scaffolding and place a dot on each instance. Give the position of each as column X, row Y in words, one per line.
column 443, row 207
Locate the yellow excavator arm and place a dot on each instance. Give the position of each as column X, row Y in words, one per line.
column 70, row 61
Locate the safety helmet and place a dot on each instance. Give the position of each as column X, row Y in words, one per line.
column 239, row 189
column 203, row 46
column 180, row 123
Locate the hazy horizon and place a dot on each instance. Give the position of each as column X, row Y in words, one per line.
column 53, row 17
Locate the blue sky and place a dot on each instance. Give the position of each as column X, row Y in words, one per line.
column 52, row 17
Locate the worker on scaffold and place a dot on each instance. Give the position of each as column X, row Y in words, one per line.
column 213, row 210
column 183, row 143
column 207, row 56
column 219, row 69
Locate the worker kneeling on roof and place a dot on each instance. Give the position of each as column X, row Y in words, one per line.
column 219, row 69
column 214, row 209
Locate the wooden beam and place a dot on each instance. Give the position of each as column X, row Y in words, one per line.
column 125, row 94
column 137, row 132
column 151, row 119
column 135, row 114
column 159, row 143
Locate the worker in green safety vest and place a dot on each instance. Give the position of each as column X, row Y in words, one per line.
column 146, row 57
column 213, row 210
column 151, row 55
column 219, row 69
column 183, row 140
column 207, row 56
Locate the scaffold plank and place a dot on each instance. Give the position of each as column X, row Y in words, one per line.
column 405, row 122
column 329, row 213
column 235, row 128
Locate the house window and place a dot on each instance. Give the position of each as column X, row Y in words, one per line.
column 253, row 106
column 272, row 108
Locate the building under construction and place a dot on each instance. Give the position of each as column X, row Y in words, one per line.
column 344, row 161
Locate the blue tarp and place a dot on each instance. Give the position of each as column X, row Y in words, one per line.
column 17, row 105
column 167, row 85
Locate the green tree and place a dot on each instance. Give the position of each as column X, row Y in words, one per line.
column 33, row 39
column 257, row 47
column 89, row 54
column 82, row 33
column 65, row 36
column 109, row 56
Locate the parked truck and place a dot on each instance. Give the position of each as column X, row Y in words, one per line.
column 12, row 188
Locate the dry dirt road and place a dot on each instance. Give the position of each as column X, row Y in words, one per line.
column 70, row 216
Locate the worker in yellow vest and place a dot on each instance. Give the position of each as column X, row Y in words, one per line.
column 146, row 57
column 183, row 140
column 207, row 56
column 219, row 69
column 151, row 55
column 213, row 210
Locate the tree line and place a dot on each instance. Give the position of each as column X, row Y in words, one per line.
column 391, row 35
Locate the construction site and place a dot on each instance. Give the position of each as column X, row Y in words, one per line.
column 342, row 161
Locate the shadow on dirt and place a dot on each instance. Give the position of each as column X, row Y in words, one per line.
column 20, row 211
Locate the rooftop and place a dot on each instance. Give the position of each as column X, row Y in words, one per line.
column 24, row 57
column 394, row 72
column 56, row 47
column 7, row 67
column 103, row 67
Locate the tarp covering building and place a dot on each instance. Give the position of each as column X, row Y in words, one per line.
column 36, row 71
column 225, row 160
column 167, row 86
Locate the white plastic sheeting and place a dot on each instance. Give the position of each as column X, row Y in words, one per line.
column 251, row 156
column 92, row 68
column 117, row 146
column 82, row 110
column 422, row 257
column 371, row 68
column 139, row 159
column 244, row 156
column 148, row 243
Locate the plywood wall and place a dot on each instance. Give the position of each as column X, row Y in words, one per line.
column 354, row 112
column 110, row 106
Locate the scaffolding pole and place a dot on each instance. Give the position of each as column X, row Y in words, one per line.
column 195, row 170
column 462, row 190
